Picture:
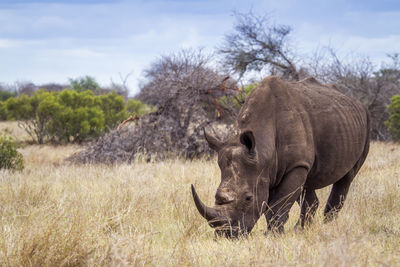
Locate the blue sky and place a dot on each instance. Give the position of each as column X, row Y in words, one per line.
column 50, row 41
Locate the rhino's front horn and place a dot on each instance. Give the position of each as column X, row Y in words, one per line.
column 210, row 214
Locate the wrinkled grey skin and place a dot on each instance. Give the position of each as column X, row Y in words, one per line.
column 294, row 138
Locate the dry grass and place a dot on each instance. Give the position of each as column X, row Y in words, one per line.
column 12, row 129
column 54, row 214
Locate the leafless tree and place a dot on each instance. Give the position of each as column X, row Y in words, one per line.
column 24, row 87
column 256, row 44
column 122, row 87
column 53, row 87
column 360, row 78
column 186, row 79
column 186, row 91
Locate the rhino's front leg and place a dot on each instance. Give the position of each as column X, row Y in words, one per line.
column 282, row 198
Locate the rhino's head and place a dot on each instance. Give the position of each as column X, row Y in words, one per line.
column 243, row 193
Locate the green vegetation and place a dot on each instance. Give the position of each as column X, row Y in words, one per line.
column 10, row 158
column 69, row 116
column 3, row 111
column 84, row 83
column 137, row 108
column 4, row 94
column 393, row 123
column 235, row 102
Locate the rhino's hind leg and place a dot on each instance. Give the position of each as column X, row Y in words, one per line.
column 308, row 202
column 338, row 196
column 341, row 188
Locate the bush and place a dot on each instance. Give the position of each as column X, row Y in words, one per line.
column 67, row 116
column 113, row 106
column 137, row 108
column 19, row 108
column 78, row 119
column 83, row 84
column 4, row 94
column 76, row 125
column 234, row 103
column 29, row 110
column 393, row 123
column 3, row 111
column 10, row 158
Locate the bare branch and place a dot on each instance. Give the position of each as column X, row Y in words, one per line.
column 257, row 44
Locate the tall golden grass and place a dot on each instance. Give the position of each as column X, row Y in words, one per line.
column 12, row 129
column 55, row 214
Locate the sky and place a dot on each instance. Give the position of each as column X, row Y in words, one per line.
column 45, row 41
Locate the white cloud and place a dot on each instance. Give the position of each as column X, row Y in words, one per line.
column 82, row 53
column 8, row 43
column 44, row 22
column 373, row 45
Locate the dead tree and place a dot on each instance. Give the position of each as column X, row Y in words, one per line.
column 185, row 91
column 256, row 44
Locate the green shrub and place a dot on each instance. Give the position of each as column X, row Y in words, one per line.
column 114, row 109
column 10, row 158
column 4, row 95
column 393, row 123
column 77, row 125
column 77, row 119
column 135, row 107
column 69, row 115
column 83, row 84
column 28, row 110
column 235, row 103
column 19, row 108
column 3, row 111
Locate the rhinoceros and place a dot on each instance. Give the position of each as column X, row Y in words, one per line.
column 292, row 138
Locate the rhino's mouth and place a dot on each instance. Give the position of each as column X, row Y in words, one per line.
column 216, row 217
column 228, row 233
column 231, row 231
column 222, row 218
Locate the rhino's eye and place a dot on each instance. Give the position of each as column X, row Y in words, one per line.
column 249, row 198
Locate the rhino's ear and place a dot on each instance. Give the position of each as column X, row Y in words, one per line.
column 248, row 140
column 212, row 141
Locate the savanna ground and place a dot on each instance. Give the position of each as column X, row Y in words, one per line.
column 56, row 214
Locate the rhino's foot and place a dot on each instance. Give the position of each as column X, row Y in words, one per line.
column 277, row 230
column 298, row 227
column 331, row 215
column 304, row 221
